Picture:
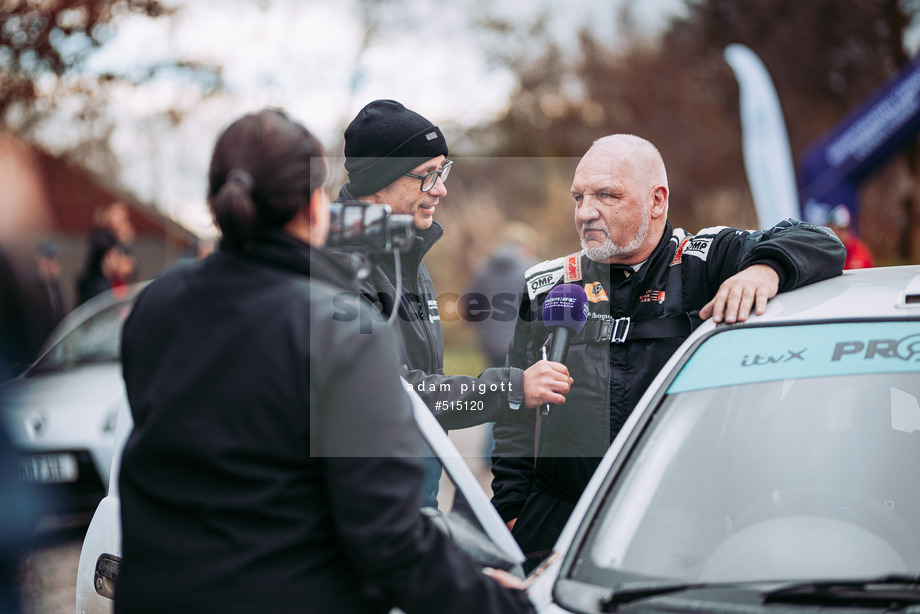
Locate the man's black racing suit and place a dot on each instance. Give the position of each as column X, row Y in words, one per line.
column 638, row 316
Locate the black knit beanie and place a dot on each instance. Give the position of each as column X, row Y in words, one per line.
column 385, row 141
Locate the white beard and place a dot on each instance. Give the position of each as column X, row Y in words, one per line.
column 610, row 249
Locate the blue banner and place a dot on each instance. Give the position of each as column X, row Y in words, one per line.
column 862, row 142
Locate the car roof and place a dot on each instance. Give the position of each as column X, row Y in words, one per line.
column 83, row 312
column 876, row 293
column 881, row 292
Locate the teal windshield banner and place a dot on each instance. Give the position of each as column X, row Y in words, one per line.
column 748, row 355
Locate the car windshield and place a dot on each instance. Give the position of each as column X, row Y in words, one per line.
column 778, row 453
column 95, row 340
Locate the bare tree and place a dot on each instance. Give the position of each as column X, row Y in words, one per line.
column 44, row 46
column 49, row 39
column 824, row 57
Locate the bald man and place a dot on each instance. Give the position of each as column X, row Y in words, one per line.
column 648, row 285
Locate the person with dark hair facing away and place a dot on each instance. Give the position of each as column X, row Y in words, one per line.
column 272, row 466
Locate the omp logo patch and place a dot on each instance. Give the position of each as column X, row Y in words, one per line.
column 431, row 136
column 698, row 247
column 543, row 276
column 595, row 292
column 541, row 282
column 537, row 283
column 433, row 315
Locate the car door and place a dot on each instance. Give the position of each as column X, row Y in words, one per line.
column 471, row 519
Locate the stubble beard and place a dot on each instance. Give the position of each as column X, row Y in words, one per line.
column 610, row 249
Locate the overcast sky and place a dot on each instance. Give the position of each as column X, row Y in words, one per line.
column 301, row 55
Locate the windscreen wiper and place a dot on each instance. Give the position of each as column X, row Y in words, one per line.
column 890, row 590
column 895, row 589
column 627, row 593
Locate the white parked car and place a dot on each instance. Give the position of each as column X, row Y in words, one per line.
column 769, row 466
column 61, row 411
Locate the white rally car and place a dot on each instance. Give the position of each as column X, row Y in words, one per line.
column 770, row 466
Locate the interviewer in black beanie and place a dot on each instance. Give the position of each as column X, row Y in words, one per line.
column 383, row 143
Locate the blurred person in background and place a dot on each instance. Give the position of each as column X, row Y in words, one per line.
column 124, row 267
column 111, row 264
column 497, row 281
column 20, row 503
column 492, row 298
column 272, row 466
column 49, row 300
column 114, row 219
column 110, row 258
column 30, row 307
column 18, row 343
column 859, row 256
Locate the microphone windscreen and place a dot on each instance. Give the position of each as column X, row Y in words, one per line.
column 566, row 305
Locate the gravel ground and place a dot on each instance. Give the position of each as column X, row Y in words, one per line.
column 48, row 570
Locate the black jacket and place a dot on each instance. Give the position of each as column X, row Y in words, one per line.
column 680, row 277
column 457, row 401
column 272, row 465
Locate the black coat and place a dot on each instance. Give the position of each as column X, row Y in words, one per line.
column 457, row 401
column 271, row 467
column 680, row 277
column 93, row 281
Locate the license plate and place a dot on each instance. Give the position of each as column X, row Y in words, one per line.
column 48, row 468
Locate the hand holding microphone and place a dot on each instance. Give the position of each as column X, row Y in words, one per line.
column 565, row 311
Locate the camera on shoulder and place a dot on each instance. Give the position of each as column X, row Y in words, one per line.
column 363, row 226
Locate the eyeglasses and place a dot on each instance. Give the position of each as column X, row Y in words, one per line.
column 429, row 179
